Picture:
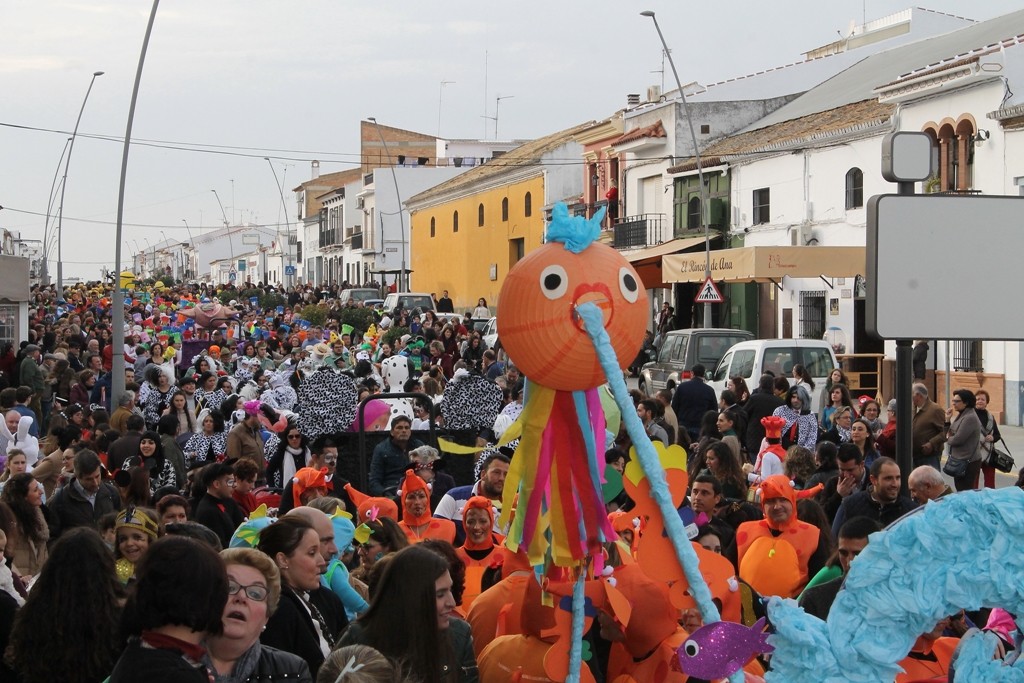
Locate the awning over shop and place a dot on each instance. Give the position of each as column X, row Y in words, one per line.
column 766, row 264
column 648, row 264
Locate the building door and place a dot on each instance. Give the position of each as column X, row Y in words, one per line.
column 767, row 312
column 787, row 323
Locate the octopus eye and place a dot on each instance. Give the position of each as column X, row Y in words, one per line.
column 554, row 281
column 691, row 649
column 628, row 285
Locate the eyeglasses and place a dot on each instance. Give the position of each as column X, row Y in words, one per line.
column 957, row 400
column 294, row 436
column 255, row 592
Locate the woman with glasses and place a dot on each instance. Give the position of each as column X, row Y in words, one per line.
column 254, row 591
column 291, row 455
column 963, row 436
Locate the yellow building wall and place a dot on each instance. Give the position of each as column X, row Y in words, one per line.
column 462, row 262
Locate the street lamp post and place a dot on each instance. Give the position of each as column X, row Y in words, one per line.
column 117, row 371
column 47, row 235
column 227, row 225
column 290, row 279
column 402, row 284
column 700, row 166
column 64, row 186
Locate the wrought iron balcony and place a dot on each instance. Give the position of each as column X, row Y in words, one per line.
column 635, row 232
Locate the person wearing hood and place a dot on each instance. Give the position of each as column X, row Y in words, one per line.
column 417, row 522
column 801, row 426
column 777, row 555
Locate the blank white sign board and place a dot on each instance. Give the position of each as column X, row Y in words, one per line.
column 945, row 267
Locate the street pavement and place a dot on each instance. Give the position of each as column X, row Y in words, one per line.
column 1013, row 436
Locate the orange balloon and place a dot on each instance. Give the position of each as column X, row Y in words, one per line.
column 538, row 325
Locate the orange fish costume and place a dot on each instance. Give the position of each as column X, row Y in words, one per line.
column 419, row 527
column 477, row 557
column 773, row 559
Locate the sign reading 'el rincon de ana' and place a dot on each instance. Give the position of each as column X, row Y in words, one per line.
column 764, row 264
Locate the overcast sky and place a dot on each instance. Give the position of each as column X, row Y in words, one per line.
column 260, row 76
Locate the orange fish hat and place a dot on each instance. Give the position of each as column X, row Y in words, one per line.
column 411, row 483
column 779, row 486
column 479, row 503
column 364, row 503
column 305, row 479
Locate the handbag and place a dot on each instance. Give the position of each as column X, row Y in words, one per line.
column 954, row 468
column 999, row 459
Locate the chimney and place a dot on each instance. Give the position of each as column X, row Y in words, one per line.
column 633, row 100
column 314, row 171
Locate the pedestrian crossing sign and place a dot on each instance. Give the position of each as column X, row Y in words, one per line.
column 709, row 293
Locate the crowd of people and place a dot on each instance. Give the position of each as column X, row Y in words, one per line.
column 205, row 510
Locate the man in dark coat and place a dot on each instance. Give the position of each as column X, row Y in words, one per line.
column 761, row 403
column 692, row 399
column 84, row 499
column 217, row 510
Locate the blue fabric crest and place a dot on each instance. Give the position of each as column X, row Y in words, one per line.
column 575, row 232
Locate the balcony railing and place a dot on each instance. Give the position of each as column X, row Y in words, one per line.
column 635, row 232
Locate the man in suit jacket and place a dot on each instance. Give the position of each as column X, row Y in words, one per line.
column 929, row 432
column 692, row 399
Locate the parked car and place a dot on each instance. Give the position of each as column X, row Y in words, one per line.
column 359, row 295
column 489, row 333
column 409, row 301
column 749, row 360
column 681, row 350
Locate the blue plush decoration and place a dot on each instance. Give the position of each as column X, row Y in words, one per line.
column 963, row 551
column 575, row 232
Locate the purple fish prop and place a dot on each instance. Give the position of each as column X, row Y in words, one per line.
column 718, row 650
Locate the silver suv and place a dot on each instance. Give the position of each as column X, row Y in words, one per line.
column 681, row 350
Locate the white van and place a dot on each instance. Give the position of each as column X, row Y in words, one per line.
column 749, row 360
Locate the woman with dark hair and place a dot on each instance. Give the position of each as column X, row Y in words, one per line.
column 722, row 464
column 838, row 397
column 167, row 428
column 78, row 591
column 963, row 436
column 207, row 444
column 708, row 434
column 308, row 620
column 178, row 602
column 802, row 378
column 861, row 436
column 473, row 355
column 835, row 377
column 386, row 537
column 178, row 407
column 738, row 386
column 207, row 394
column 290, row 456
column 26, row 541
column 82, row 389
column 410, row 620
column 158, row 395
column 151, row 457
column 826, row 465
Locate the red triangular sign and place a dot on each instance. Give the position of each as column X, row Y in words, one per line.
column 709, row 293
